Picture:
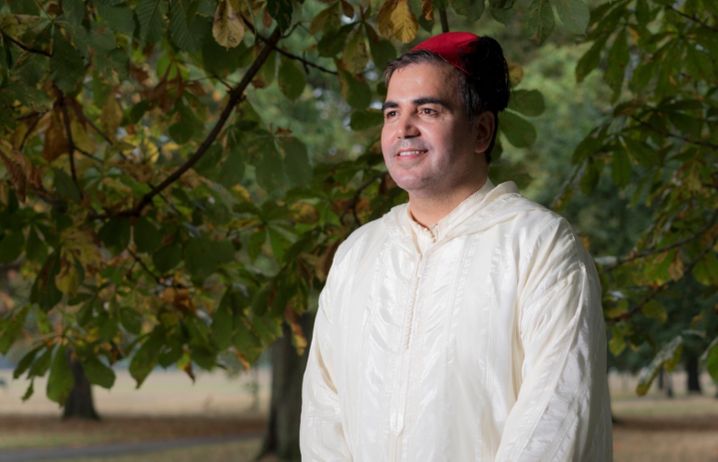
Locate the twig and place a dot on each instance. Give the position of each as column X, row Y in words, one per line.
column 649, row 252
column 236, row 95
column 444, row 19
column 27, row 48
column 70, row 142
column 355, row 198
column 668, row 134
column 286, row 53
column 692, row 18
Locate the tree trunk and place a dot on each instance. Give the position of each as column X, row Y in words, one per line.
column 665, row 383
column 79, row 404
column 693, row 372
column 282, row 435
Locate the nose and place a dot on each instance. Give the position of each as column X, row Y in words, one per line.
column 407, row 127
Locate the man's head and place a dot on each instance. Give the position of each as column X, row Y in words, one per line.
column 481, row 70
column 440, row 113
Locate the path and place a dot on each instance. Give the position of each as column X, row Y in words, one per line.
column 115, row 449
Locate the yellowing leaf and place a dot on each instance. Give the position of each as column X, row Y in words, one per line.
column 396, row 20
column 227, row 27
column 111, row 117
column 67, row 280
column 427, row 10
column 55, row 138
column 676, row 268
column 356, row 52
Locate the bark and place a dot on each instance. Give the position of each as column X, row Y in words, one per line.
column 694, row 374
column 281, row 438
column 80, row 404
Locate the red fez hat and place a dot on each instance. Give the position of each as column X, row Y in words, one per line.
column 451, row 46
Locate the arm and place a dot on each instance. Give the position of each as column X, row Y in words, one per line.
column 321, row 433
column 562, row 412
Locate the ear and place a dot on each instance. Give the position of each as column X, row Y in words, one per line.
column 485, row 126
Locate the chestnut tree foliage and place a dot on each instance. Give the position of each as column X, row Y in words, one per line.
column 170, row 205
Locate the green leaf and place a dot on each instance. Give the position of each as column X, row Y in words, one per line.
column 119, row 18
column 203, row 255
column 540, row 20
column 706, row 270
column 589, row 61
column 356, row 53
column 641, row 152
column 471, row 9
column 667, row 357
column 222, row 327
column 270, row 169
column 150, row 16
column 11, row 329
column 66, row 64
column 146, row 235
column 42, row 364
column 356, row 92
column 367, row 118
column 291, row 78
column 74, row 11
column 145, row 359
column 281, row 11
column 296, row 161
column 61, row 380
column 29, row 391
column 232, row 169
column 620, row 168
column 11, row 246
column 181, row 11
column 64, row 186
column 527, row 102
column 26, row 361
column 574, row 15
column 115, row 234
column 655, row 310
column 591, row 176
column 167, row 257
column 519, row 131
column 332, row 43
column 616, row 63
column 98, row 372
column 44, row 292
column 131, row 320
column 382, row 52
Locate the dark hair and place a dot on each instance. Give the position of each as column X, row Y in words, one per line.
column 484, row 88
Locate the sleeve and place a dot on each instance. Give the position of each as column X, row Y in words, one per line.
column 321, row 434
column 562, row 411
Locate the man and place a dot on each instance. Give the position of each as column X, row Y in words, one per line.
column 465, row 325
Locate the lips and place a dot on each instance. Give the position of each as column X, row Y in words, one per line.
column 410, row 152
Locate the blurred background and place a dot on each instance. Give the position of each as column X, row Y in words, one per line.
column 175, row 177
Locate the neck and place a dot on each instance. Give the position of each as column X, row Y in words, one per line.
column 430, row 209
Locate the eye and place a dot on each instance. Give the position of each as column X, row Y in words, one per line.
column 427, row 111
column 389, row 114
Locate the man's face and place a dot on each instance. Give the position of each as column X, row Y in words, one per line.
column 428, row 141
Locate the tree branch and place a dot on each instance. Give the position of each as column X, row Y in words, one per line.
column 692, row 18
column 655, row 251
column 70, row 142
column 25, row 47
column 286, row 53
column 705, row 144
column 235, row 97
column 444, row 19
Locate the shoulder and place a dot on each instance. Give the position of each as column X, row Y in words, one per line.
column 368, row 238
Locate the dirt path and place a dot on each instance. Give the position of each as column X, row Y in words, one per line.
column 115, row 449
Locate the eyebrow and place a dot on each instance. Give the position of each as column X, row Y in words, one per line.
column 417, row 102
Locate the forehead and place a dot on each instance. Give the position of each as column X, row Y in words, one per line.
column 421, row 80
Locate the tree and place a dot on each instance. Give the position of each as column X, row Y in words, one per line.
column 159, row 214
column 661, row 155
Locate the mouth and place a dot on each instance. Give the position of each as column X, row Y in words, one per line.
column 410, row 152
